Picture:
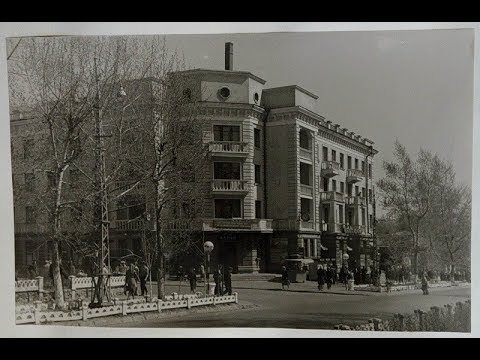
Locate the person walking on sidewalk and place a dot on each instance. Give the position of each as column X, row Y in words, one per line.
column 320, row 277
column 218, row 277
column 192, row 278
column 425, row 284
column 143, row 278
column 329, row 273
column 228, row 281
column 285, row 281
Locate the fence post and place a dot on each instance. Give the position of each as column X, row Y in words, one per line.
column 40, row 287
column 214, row 300
column 84, row 312
column 236, row 297
column 124, row 307
column 188, row 303
column 72, row 286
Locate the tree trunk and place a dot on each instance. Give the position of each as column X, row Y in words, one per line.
column 57, row 277
column 161, row 277
column 415, row 261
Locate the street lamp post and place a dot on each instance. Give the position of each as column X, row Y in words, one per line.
column 207, row 248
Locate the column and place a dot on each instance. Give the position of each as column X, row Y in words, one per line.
column 308, row 249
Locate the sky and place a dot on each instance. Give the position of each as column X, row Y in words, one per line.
column 412, row 85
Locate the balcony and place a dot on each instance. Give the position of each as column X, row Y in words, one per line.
column 306, row 190
column 305, row 154
column 354, row 175
column 24, row 228
column 229, row 148
column 332, row 196
column 333, row 228
column 294, row 225
column 330, row 169
column 355, row 229
column 230, row 186
column 355, row 200
column 127, row 225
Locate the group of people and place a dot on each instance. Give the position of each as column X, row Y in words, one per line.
column 134, row 275
column 326, row 275
column 221, row 277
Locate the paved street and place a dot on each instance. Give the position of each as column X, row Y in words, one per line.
column 303, row 306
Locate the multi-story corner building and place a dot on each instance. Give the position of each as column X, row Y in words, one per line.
column 280, row 181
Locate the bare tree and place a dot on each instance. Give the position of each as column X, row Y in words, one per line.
column 405, row 194
column 66, row 82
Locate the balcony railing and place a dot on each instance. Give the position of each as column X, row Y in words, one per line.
column 127, row 225
column 119, row 187
column 354, row 175
column 355, row 200
column 262, row 225
column 306, row 190
column 293, row 224
column 229, row 147
column 355, row 229
column 24, row 228
column 333, row 228
column 330, row 168
column 234, row 186
column 305, row 153
column 332, row 196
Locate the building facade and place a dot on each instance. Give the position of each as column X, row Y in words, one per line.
column 280, row 180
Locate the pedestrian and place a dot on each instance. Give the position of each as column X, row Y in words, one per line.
column 202, row 272
column 228, row 281
column 143, row 275
column 32, row 270
column 122, row 269
column 320, row 277
column 131, row 279
column 329, row 276
column 285, row 280
column 192, row 278
column 217, row 277
column 425, row 284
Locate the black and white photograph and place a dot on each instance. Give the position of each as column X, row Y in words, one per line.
column 316, row 180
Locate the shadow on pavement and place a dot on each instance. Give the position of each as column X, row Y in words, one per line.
column 302, row 291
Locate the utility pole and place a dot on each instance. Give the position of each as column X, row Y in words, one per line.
column 102, row 282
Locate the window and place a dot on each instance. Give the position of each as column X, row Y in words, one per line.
column 256, row 138
column 370, row 197
column 363, row 192
column 29, row 181
column 325, row 153
column 341, row 160
column 258, row 209
column 342, row 187
column 305, row 174
column 76, row 213
column 370, row 222
column 305, row 139
column 187, row 93
column 28, row 148
column 334, row 185
column 228, row 208
column 357, row 191
column 349, row 162
column 305, row 207
column 350, row 189
column 187, row 174
column 224, row 92
column 226, row 133
column 356, row 164
column 363, row 217
column 363, row 167
column 370, row 170
column 227, row 170
column 334, row 155
column 325, row 184
column 340, row 214
column 130, row 207
column 52, row 179
column 188, row 208
column 257, row 174
column 29, row 214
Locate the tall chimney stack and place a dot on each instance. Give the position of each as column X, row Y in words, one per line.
column 228, row 56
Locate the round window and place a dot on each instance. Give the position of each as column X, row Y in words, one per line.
column 224, row 92
column 255, row 97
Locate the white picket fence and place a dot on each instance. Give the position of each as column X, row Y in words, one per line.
column 38, row 315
